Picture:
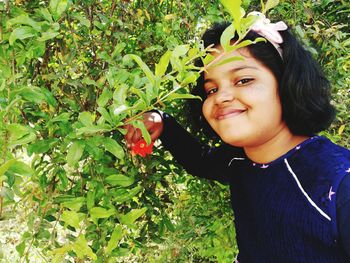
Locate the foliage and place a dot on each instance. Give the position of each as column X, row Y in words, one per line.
column 72, row 73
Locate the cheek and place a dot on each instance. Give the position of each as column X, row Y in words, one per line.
column 206, row 109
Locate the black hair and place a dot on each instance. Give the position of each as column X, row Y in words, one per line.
column 303, row 88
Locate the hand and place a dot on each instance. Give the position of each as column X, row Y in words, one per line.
column 153, row 123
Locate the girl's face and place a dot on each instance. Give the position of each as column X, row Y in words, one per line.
column 242, row 104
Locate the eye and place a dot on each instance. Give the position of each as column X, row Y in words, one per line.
column 211, row 91
column 244, row 81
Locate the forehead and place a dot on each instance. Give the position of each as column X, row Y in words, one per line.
column 246, row 61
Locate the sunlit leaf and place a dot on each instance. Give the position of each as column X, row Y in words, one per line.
column 175, row 96
column 105, row 96
column 24, row 19
column 21, row 33
column 57, row 8
column 115, row 238
column 180, row 51
column 113, row 147
column 119, row 179
column 234, row 8
column 145, row 134
column 162, row 66
column 269, row 5
column 100, row 212
column 4, row 167
column 74, row 153
column 226, row 36
column 70, row 218
column 144, row 68
column 82, row 249
column 132, row 216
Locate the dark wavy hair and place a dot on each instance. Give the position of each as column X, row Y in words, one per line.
column 303, row 88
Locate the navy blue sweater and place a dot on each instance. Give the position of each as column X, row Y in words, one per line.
column 285, row 211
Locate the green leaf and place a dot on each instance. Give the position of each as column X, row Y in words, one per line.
column 168, row 223
column 162, row 66
column 180, row 51
column 132, row 216
column 122, row 195
column 74, row 153
column 230, row 59
column 46, row 14
column 144, row 68
column 119, row 179
column 21, row 33
column 20, row 248
column 145, row 134
column 57, row 7
column 190, row 78
column 175, row 96
column 24, row 19
column 118, row 49
column 113, row 147
column 47, row 35
column 82, row 19
column 269, row 5
column 20, row 134
column 63, row 117
column 82, row 249
column 21, row 168
column 63, row 179
column 234, row 8
column 49, row 97
column 105, row 114
column 30, row 93
column 105, row 96
column 208, row 58
column 226, row 36
column 115, row 238
column 64, row 198
column 41, row 146
column 71, row 218
column 120, row 94
column 94, row 129
column 90, row 199
column 245, row 43
column 74, row 203
column 6, row 166
column 59, row 253
column 86, row 118
column 100, row 212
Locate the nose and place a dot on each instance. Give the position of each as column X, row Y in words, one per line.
column 224, row 94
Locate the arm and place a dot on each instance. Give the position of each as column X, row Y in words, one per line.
column 343, row 213
column 198, row 160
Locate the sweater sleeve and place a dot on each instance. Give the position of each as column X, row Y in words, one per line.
column 198, row 160
column 343, row 213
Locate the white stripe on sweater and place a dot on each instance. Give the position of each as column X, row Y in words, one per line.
column 304, row 193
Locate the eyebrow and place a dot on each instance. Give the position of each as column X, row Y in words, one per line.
column 233, row 70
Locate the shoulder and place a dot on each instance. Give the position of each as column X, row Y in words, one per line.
column 323, row 152
column 321, row 162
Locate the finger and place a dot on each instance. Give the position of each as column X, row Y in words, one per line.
column 149, row 125
column 136, row 136
column 129, row 134
column 155, row 134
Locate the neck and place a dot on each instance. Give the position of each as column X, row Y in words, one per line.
column 275, row 147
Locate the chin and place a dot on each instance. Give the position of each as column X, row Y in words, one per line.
column 237, row 141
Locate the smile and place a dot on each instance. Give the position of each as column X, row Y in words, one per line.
column 228, row 114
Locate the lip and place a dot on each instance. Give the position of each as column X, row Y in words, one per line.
column 228, row 113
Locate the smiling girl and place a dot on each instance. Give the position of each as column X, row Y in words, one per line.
column 290, row 189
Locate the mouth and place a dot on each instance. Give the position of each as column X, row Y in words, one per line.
column 224, row 114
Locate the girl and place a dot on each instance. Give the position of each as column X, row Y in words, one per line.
column 290, row 189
